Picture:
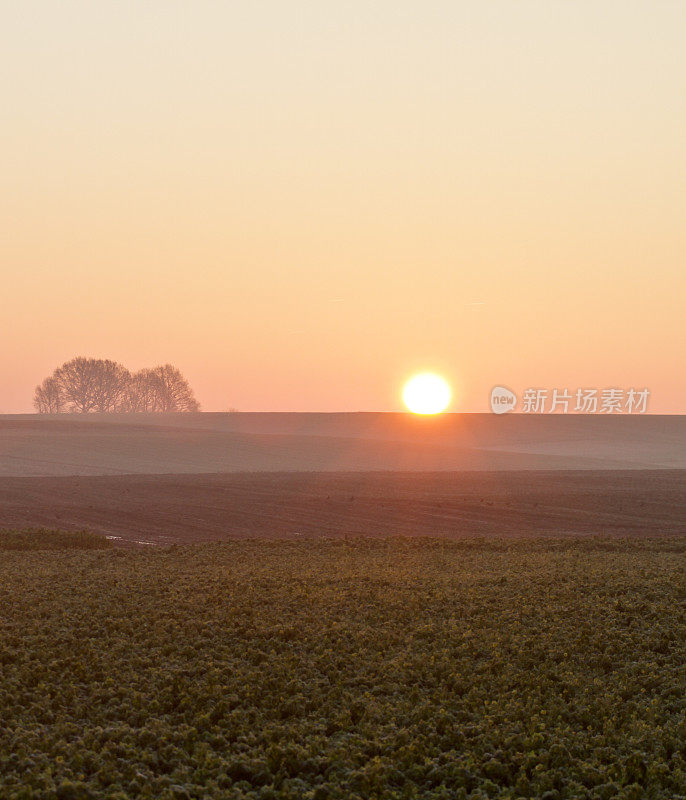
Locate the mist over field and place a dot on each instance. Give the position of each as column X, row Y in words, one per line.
column 109, row 444
column 174, row 478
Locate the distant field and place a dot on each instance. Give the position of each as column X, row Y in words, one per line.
column 199, row 477
column 350, row 670
column 32, row 445
column 191, row 508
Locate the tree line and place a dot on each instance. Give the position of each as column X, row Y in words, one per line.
column 85, row 385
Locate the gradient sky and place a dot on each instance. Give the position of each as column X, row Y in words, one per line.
column 301, row 204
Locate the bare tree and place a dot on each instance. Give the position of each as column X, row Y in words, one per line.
column 77, row 379
column 92, row 384
column 140, row 392
column 171, row 390
column 48, row 398
column 111, row 385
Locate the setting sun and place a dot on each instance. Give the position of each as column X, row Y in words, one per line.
column 427, row 394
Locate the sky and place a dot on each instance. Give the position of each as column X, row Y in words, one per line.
column 301, row 205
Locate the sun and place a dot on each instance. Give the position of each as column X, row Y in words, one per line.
column 427, row 393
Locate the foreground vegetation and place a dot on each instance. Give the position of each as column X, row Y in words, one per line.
column 43, row 539
column 372, row 669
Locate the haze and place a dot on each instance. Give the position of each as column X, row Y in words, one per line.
column 301, row 205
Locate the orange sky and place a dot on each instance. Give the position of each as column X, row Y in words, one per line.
column 300, row 205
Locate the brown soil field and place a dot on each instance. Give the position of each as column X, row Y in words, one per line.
column 166, row 509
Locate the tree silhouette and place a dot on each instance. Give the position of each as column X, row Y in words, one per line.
column 92, row 384
column 48, row 398
column 86, row 385
column 171, row 390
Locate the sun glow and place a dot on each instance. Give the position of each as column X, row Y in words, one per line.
column 427, row 393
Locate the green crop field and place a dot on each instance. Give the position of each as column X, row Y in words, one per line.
column 365, row 669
